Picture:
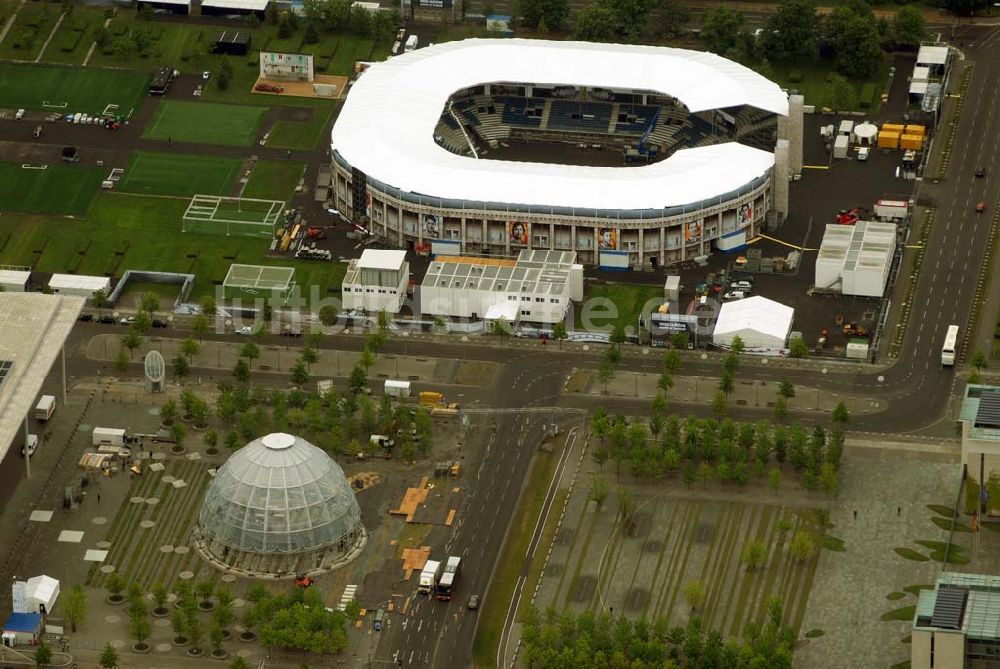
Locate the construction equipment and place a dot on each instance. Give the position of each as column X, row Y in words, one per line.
column 855, row 330
column 315, row 232
column 303, row 581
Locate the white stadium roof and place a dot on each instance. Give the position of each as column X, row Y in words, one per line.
column 386, row 127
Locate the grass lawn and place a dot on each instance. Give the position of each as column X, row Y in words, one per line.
column 273, row 179
column 205, row 123
column 813, row 84
column 494, row 610
column 58, row 189
column 158, row 173
column 74, row 36
column 163, row 42
column 629, row 301
column 88, row 90
column 301, row 134
column 145, row 231
column 31, row 28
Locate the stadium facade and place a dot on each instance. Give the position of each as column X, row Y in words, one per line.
column 706, row 149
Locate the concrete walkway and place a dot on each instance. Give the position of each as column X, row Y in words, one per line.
column 93, row 45
column 52, row 34
column 10, row 23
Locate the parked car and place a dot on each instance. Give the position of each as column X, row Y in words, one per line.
column 735, row 295
column 19, row 115
column 85, row 318
column 106, row 320
column 980, row 172
column 473, row 602
column 245, row 330
column 981, row 207
column 157, row 323
column 127, row 320
column 741, row 285
column 30, row 446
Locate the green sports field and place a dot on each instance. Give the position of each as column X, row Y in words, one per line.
column 205, row 123
column 161, row 173
column 123, row 231
column 57, row 189
column 70, row 89
column 273, row 179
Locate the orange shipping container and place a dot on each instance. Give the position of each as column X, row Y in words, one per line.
column 915, row 130
column 915, row 142
column 888, row 140
column 892, row 127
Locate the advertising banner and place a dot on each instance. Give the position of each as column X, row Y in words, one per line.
column 519, row 233
column 608, row 240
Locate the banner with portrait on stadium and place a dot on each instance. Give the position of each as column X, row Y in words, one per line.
column 744, row 216
column 608, row 240
column 519, row 233
column 429, row 224
column 692, row 231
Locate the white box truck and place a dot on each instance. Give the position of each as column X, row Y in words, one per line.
column 45, row 408
column 109, row 436
column 395, row 388
column 429, row 577
column 891, row 210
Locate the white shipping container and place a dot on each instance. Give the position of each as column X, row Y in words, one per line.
column 111, row 436
column 395, row 388
column 891, row 210
column 840, row 146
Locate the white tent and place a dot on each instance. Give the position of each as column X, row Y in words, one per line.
column 42, row 591
column 865, row 133
column 762, row 324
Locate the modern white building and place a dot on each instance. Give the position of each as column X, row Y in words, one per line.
column 376, row 281
column 980, row 419
column 957, row 624
column 14, row 280
column 856, row 258
column 79, row 284
column 538, row 287
column 762, row 324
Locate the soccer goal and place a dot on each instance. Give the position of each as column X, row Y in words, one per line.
column 245, row 217
column 258, row 281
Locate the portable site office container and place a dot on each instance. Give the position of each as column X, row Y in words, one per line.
column 840, row 146
column 395, row 388
column 109, row 435
column 45, row 407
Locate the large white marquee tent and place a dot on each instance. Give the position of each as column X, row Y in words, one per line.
column 762, row 324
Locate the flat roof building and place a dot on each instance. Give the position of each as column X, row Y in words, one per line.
column 957, row 624
column 79, row 285
column 376, row 281
column 536, row 288
column 14, row 280
column 980, row 418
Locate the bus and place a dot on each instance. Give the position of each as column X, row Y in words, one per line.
column 948, row 350
column 449, row 578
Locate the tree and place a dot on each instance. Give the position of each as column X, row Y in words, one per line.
column 150, row 303
column 328, row 315
column 190, row 348
column 550, row 12
column 753, row 555
column 115, row 585
column 672, row 18
column 851, row 34
column 121, row 360
column 178, row 432
column 309, row 356
column 802, row 546
column 139, row 628
column 195, row 631
column 594, row 23
column 250, row 351
column 774, row 479
column 626, row 507
column 300, row 374
column 841, row 416
column 208, row 306
column 501, row 328
column 211, row 440
column 109, row 657
column 828, row 479
column 605, row 373
column 797, row 348
column 225, row 75
column 720, row 28
column 630, row 16
column 74, row 608
column 232, row 440
column 238, row 662
column 168, row 412
column 841, row 95
column 141, row 323
column 908, row 26
column 780, row 408
column 694, row 594
column 159, row 593
column 181, row 367
column 786, row 389
column 719, row 404
column 132, row 340
column 598, row 490
column 559, row 333
column 43, row 654
column 199, row 325
column 792, row 31
column 979, row 360
column 100, row 300
column 204, row 589
column 726, row 383
column 358, row 379
column 241, row 371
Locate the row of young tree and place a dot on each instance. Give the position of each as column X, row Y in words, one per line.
column 554, row 639
column 851, row 35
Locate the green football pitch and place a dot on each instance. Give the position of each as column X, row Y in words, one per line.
column 57, row 189
column 205, row 123
column 160, row 173
column 70, row 89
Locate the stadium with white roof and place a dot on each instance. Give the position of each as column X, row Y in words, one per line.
column 680, row 151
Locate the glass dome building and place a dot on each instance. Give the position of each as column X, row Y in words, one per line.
column 280, row 506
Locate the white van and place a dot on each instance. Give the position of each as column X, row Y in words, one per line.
column 863, row 153
column 734, row 295
column 745, row 286
column 30, row 446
